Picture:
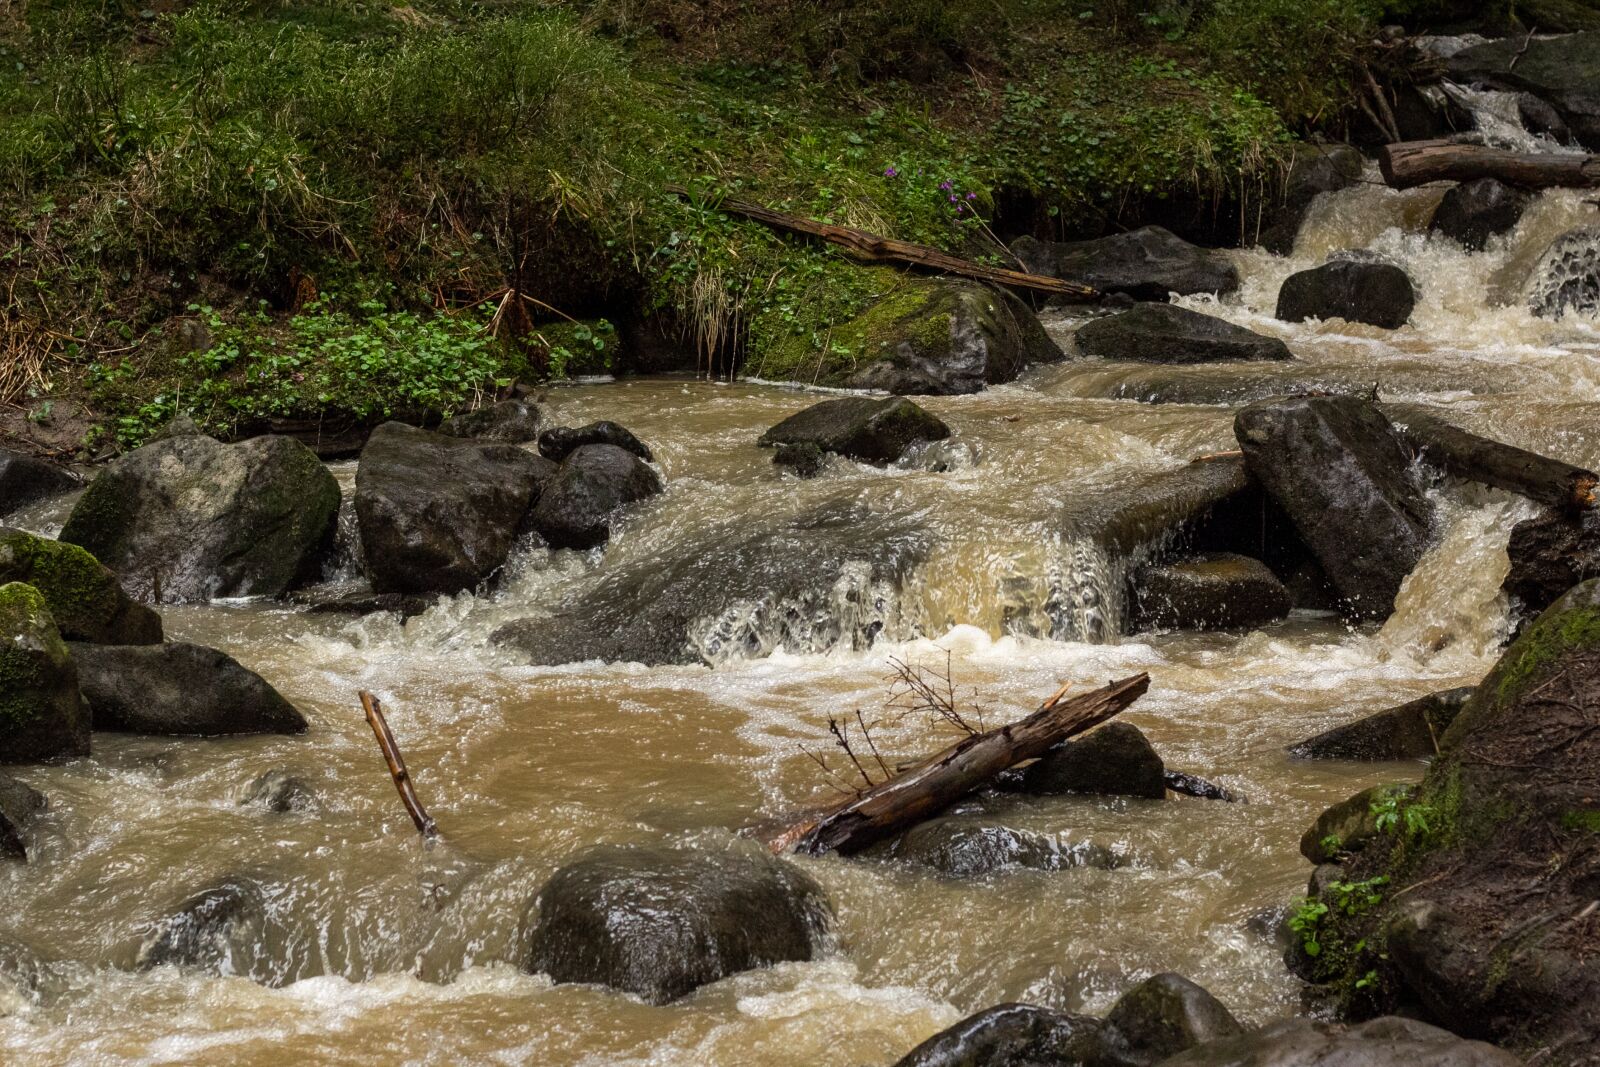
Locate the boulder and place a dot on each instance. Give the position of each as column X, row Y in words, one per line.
column 594, row 483
column 1212, row 591
column 1475, row 211
column 20, row 805
column 1410, row 731
column 863, row 428
column 963, row 847
column 1336, row 467
column 559, row 443
column 803, row 459
column 1563, row 71
column 1383, row 1042
column 178, row 689
column 41, row 714
column 1146, row 264
column 1011, row 1035
column 660, row 923
column 1166, row 333
column 1348, row 826
column 189, row 518
column 1113, row 760
column 510, row 421
column 1567, row 276
column 219, row 930
column 1163, row 1016
column 84, row 597
column 1378, row 294
column 405, row 605
column 1312, row 169
column 439, row 514
column 280, row 792
column 25, row 480
column 1550, row 554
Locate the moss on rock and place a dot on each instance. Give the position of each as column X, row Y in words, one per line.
column 41, row 714
column 83, row 595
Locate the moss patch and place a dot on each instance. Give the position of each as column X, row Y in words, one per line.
column 79, row 592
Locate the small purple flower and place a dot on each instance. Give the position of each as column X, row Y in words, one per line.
column 954, row 198
column 972, row 196
column 960, row 208
column 945, row 186
column 890, row 172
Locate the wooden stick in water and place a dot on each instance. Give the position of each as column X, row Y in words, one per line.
column 397, row 766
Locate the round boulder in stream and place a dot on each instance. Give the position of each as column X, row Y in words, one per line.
column 660, row 922
column 85, row 598
column 1147, row 264
column 1567, row 276
column 860, row 427
column 1166, row 333
column 1114, row 760
column 963, row 847
column 1475, row 211
column 220, row 930
column 596, row 481
column 509, row 421
column 179, row 689
column 1378, row 294
column 42, row 716
column 1011, row 1035
column 559, row 443
column 24, row 479
column 1211, row 591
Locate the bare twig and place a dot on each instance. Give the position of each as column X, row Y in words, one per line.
column 397, row 767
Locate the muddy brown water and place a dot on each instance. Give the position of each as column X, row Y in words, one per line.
column 382, row 952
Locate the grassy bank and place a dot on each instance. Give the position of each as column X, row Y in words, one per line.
column 285, row 210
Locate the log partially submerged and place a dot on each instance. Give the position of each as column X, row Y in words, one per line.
column 397, row 767
column 875, row 249
column 1479, row 459
column 930, row 786
column 1410, row 163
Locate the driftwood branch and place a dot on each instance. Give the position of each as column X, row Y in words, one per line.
column 397, row 766
column 875, row 249
column 1479, row 459
column 1410, row 163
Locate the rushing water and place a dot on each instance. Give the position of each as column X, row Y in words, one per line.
column 382, row 952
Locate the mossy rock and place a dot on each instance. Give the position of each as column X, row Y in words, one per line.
column 41, row 714
column 84, row 596
column 1348, row 826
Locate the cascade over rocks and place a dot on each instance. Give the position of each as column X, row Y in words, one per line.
column 439, row 514
column 219, row 930
column 1313, row 169
column 1564, row 71
column 84, row 597
column 178, row 688
column 1550, row 553
column 1475, row 211
column 25, row 480
column 580, row 502
column 1378, row 294
column 1567, row 276
column 1114, row 760
column 510, row 421
column 41, row 714
column 191, row 518
column 1146, row 264
column 1336, row 467
column 20, row 805
column 1410, row 731
column 559, row 443
column 1166, row 333
column 660, row 922
column 1210, row 591
column 965, row 847
column 1386, row 1042
column 864, row 428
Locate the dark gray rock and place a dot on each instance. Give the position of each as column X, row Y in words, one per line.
column 218, row 930
column 1475, row 211
column 84, row 597
column 1567, row 276
column 439, row 514
column 1011, row 1035
column 581, row 502
column 1378, row 294
column 1147, row 264
column 510, row 421
column 1410, row 731
column 280, row 792
column 1336, row 466
column 1539, row 117
column 20, row 805
column 1212, row 591
column 190, row 518
column 1166, row 333
column 863, row 428
column 41, row 714
column 25, row 480
column 1384, row 1042
column 1563, row 71
column 963, row 847
column 804, row 459
column 405, row 605
column 559, row 443
column 1114, row 760
column 1163, row 1016
column 1550, row 553
column 660, row 923
column 1312, row 169
column 178, row 689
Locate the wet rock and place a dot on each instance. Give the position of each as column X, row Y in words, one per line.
column 280, row 792
column 510, row 421
column 439, row 514
column 1336, row 467
column 41, row 714
column 1214, row 591
column 1348, row 826
column 1163, row 1016
column 1166, row 333
column 190, row 518
column 1114, row 760
column 1191, row 785
column 218, row 930
column 1147, row 264
column 864, row 428
column 660, row 923
column 24, row 975
column 178, row 688
column 1378, row 294
column 559, row 443
column 1563, row 71
column 1538, row 117
column 1384, row 1042
column 1567, row 276
column 20, row 805
column 581, row 502
column 1475, row 211
column 963, row 847
column 1410, row 731
column 84, row 597
column 1313, row 169
column 1550, row 554
column 803, row 459
column 1010, row 1035
column 405, row 605
column 25, row 480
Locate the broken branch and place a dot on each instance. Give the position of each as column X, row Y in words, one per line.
column 397, row 766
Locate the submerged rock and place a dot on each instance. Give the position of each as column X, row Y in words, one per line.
column 559, row 443
column 1564, row 71
column 1011, row 1035
column 1410, row 731
column 439, row 514
column 510, row 421
column 84, row 597
column 1475, row 211
column 1567, row 276
column 1212, row 591
column 20, row 805
column 963, row 847
column 25, row 480
column 1378, row 294
column 1163, row 1016
column 1384, row 1042
column 1313, row 169
column 179, row 689
column 660, row 923
column 804, row 459
column 1146, row 264
column 578, row 505
column 190, row 518
column 1550, row 554
column 405, row 605
column 864, row 428
column 1166, row 333
column 219, row 930
column 1114, row 760
column 280, row 792
column 41, row 714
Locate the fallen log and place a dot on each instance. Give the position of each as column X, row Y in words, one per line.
column 875, row 249
column 1479, row 459
column 397, row 767
column 1411, row 163
column 930, row 786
